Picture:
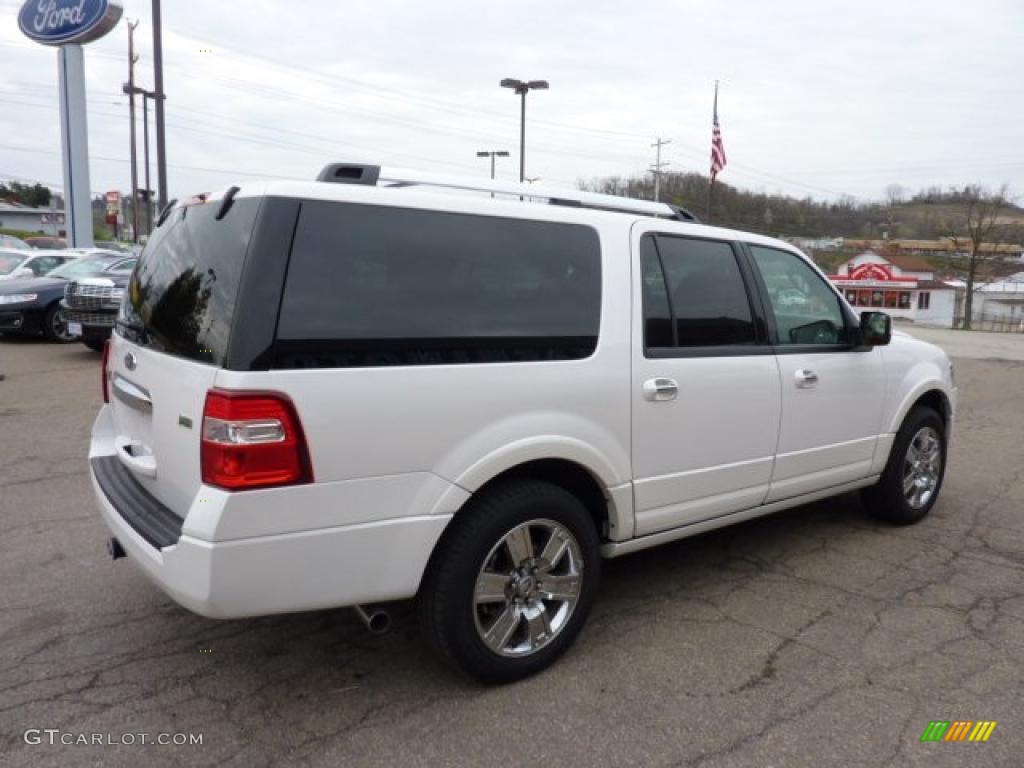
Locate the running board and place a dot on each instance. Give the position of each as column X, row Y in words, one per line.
column 619, row 548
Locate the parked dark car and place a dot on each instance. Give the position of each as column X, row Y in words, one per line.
column 33, row 306
column 91, row 303
column 47, row 243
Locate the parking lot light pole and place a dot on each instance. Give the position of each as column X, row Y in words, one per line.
column 522, row 87
column 492, row 154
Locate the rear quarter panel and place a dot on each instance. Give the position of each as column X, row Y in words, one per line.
column 441, row 431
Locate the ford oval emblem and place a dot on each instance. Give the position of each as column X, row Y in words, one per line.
column 130, row 362
column 59, row 22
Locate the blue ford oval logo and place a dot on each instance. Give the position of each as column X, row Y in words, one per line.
column 58, row 22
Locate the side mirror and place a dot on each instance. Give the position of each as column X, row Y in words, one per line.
column 875, row 329
column 23, row 272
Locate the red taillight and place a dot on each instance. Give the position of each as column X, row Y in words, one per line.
column 104, row 376
column 252, row 440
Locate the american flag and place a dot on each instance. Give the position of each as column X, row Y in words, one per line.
column 717, row 147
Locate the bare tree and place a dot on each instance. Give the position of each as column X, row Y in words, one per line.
column 977, row 230
column 895, row 194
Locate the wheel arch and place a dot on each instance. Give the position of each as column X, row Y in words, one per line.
column 601, row 482
column 937, row 400
column 930, row 393
column 570, row 476
column 610, row 507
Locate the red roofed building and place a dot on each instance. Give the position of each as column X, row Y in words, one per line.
column 902, row 285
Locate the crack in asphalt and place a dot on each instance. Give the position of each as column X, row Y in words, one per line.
column 730, row 649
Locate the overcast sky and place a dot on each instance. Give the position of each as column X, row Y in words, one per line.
column 817, row 99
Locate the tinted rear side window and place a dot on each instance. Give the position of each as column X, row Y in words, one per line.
column 375, row 286
column 184, row 289
column 705, row 292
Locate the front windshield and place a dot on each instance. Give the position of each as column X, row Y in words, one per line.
column 84, row 267
column 9, row 263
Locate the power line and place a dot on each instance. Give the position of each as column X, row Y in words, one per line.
column 432, row 102
column 266, row 141
column 453, row 107
column 26, row 180
column 236, row 136
column 224, row 171
column 461, row 109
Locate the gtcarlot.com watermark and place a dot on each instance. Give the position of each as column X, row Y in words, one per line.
column 55, row 736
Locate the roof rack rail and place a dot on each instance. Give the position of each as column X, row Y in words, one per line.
column 375, row 175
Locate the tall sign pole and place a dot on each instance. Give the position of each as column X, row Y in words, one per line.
column 158, row 87
column 74, row 146
column 68, row 24
column 130, row 90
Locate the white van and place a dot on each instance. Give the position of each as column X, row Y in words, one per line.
column 368, row 388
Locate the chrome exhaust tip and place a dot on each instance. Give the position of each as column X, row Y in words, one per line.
column 377, row 620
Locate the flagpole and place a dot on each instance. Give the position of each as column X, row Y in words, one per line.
column 711, row 175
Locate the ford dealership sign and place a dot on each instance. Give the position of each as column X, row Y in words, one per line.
column 59, row 22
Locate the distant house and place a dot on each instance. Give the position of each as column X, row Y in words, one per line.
column 999, row 303
column 903, row 285
column 947, row 246
column 43, row 221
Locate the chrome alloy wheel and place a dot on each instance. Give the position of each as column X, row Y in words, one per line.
column 59, row 327
column 921, row 467
column 528, row 587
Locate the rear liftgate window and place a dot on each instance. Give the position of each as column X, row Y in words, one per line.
column 181, row 299
column 374, row 286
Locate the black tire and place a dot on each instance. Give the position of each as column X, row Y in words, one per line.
column 447, row 606
column 95, row 345
column 54, row 326
column 887, row 501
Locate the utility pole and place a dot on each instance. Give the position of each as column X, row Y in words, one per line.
column 145, row 153
column 129, row 88
column 658, row 165
column 158, row 85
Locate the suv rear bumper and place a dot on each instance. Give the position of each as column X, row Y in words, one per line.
column 307, row 570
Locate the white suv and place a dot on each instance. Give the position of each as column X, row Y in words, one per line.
column 366, row 388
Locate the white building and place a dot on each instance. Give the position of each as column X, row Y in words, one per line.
column 43, row 221
column 901, row 285
column 999, row 304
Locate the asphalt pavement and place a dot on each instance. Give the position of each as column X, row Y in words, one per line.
column 815, row 637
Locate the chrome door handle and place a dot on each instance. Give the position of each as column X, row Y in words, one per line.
column 660, row 389
column 805, row 379
column 129, row 394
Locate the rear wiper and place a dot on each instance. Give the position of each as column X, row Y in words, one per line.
column 164, row 213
